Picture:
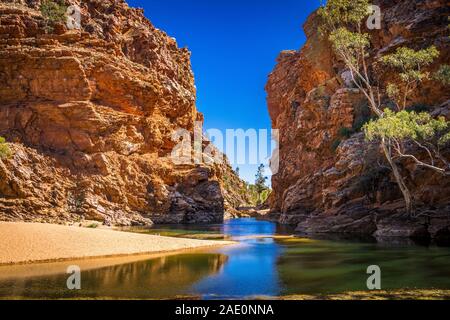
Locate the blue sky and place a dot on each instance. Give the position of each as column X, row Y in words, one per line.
column 234, row 45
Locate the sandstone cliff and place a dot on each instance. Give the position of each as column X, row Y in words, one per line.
column 89, row 115
column 330, row 178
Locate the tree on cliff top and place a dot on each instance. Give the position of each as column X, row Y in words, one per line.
column 342, row 21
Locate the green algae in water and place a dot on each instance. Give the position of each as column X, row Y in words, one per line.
column 326, row 267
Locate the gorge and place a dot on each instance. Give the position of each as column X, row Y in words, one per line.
column 89, row 115
column 106, row 163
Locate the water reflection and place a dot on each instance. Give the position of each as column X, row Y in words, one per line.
column 251, row 268
column 261, row 265
column 322, row 267
column 162, row 277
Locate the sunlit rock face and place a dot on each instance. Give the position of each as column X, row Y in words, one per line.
column 330, row 178
column 90, row 114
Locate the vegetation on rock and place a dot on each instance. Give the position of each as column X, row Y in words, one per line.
column 53, row 12
column 5, row 151
column 420, row 129
column 409, row 63
column 347, row 13
column 404, row 125
column 342, row 21
column 252, row 194
column 260, row 185
column 443, row 74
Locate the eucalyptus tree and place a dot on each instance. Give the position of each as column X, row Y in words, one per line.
column 342, row 21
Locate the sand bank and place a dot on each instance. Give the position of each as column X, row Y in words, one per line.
column 22, row 243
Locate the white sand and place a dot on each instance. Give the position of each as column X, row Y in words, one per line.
column 34, row 242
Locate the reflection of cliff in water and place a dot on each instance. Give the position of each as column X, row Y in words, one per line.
column 162, row 277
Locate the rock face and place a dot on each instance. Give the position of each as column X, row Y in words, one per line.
column 89, row 115
column 330, row 178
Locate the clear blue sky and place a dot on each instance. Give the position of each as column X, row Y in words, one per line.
column 234, row 45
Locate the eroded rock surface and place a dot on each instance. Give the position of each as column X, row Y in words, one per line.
column 330, row 178
column 89, row 115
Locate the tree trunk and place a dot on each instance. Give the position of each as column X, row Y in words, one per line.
column 398, row 177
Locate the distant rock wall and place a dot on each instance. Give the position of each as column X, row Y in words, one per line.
column 330, row 178
column 89, row 115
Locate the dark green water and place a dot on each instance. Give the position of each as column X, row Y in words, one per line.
column 261, row 266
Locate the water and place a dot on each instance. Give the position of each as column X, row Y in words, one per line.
column 261, row 265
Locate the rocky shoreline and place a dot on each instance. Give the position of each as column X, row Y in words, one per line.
column 381, row 226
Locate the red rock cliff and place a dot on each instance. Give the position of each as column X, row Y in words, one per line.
column 331, row 183
column 89, row 115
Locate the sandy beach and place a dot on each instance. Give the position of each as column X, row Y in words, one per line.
column 22, row 243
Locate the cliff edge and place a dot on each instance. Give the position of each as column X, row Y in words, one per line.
column 89, row 115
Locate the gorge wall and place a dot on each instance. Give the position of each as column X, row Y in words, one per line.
column 330, row 178
column 89, row 116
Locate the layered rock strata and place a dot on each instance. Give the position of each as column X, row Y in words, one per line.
column 89, row 115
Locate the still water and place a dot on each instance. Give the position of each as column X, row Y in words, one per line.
column 263, row 264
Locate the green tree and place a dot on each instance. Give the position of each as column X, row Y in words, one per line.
column 342, row 22
column 253, row 194
column 265, row 195
column 260, row 182
column 409, row 63
column 420, row 129
column 5, row 151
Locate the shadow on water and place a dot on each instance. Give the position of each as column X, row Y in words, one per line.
column 265, row 263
